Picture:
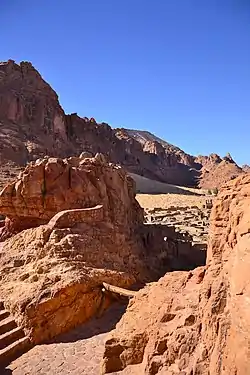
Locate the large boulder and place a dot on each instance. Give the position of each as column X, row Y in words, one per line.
column 195, row 322
column 51, row 185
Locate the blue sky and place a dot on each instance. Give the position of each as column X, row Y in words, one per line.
column 178, row 68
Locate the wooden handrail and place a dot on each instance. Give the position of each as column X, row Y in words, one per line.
column 117, row 290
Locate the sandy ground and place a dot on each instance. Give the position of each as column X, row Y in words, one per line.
column 146, row 186
column 167, row 200
column 78, row 352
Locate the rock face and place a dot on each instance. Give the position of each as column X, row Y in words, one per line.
column 195, row 322
column 84, row 215
column 216, row 171
column 85, row 228
column 30, row 114
column 170, row 164
column 51, row 185
column 33, row 124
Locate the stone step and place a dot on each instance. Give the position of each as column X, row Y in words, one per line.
column 4, row 314
column 14, row 350
column 7, row 325
column 9, row 337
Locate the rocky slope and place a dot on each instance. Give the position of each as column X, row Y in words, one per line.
column 74, row 224
column 211, row 171
column 246, row 168
column 33, row 124
column 216, row 171
column 195, row 322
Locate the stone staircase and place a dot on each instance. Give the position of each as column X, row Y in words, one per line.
column 13, row 341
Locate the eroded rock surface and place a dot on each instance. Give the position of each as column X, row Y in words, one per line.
column 82, row 215
column 195, row 322
column 74, row 224
column 51, row 185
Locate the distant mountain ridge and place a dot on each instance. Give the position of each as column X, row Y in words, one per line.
column 33, row 124
column 144, row 136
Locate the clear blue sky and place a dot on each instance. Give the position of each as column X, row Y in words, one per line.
column 178, row 68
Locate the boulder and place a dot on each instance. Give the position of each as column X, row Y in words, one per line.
column 195, row 322
column 51, row 185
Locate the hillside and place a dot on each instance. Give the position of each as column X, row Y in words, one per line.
column 33, row 124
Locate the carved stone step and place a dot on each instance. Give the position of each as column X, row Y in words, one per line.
column 14, row 350
column 9, row 337
column 7, row 325
column 4, row 314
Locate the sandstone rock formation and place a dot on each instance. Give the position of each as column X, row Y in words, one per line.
column 85, row 228
column 33, row 124
column 84, row 214
column 216, row 171
column 195, row 322
column 51, row 185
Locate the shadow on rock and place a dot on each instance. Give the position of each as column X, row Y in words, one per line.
column 95, row 326
column 5, row 371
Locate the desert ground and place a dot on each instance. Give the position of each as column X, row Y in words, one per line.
column 149, row 201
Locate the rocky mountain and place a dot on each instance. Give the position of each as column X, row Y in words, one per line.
column 33, row 124
column 216, row 170
column 147, row 138
column 246, row 168
column 213, row 171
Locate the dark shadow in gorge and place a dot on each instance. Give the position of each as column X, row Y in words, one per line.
column 168, row 250
column 5, row 371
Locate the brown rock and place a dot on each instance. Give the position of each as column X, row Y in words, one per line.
column 51, row 185
column 195, row 322
column 216, row 171
column 246, row 168
column 52, row 275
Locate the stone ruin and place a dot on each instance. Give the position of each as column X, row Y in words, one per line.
column 190, row 223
